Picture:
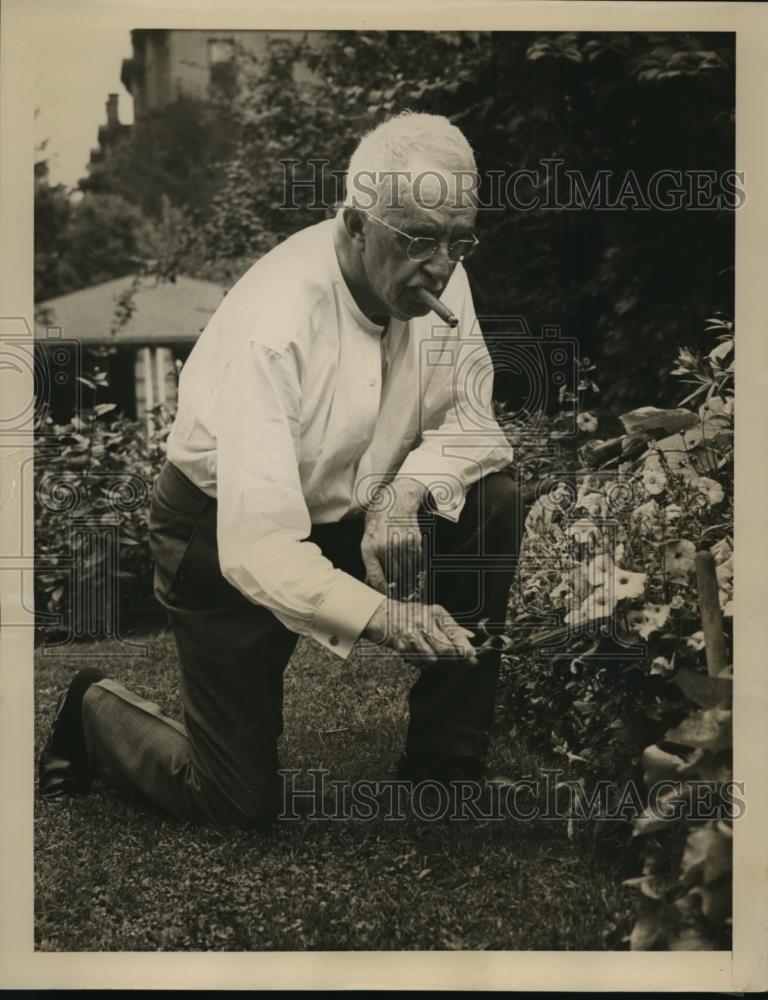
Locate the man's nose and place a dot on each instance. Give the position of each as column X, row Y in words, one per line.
column 439, row 267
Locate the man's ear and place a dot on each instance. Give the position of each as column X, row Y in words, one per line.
column 353, row 224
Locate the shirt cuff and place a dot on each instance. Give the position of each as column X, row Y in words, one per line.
column 448, row 492
column 343, row 614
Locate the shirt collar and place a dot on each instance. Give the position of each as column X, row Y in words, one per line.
column 349, row 301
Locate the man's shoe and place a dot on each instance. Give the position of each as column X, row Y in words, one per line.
column 63, row 765
column 446, row 769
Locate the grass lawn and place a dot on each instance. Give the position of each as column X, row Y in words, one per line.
column 114, row 875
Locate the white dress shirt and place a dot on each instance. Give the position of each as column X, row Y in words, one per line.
column 293, row 406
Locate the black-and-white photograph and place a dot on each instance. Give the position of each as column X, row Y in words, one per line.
column 382, row 489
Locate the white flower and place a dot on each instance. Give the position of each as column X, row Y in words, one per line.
column 651, row 619
column 723, row 349
column 692, row 438
column 677, row 603
column 599, row 604
column 672, row 512
column 594, row 504
column 647, row 511
column 712, row 490
column 696, row 641
column 627, row 584
column 680, row 465
column 722, row 551
column 679, row 558
column 724, row 572
column 654, row 480
column 586, row 422
column 661, row 665
column 598, row 568
column 713, row 406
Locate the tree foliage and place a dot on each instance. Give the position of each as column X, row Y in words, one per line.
column 171, row 153
column 630, row 284
column 167, row 163
column 85, row 242
column 54, row 272
column 108, row 237
column 631, row 104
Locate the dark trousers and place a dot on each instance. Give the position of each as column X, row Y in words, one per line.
column 221, row 765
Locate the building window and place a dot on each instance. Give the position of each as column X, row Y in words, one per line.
column 222, row 67
column 155, row 378
column 220, row 50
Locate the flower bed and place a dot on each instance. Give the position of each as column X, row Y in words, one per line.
column 617, row 664
column 620, row 641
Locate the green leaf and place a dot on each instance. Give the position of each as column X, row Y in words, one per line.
column 714, row 901
column 648, row 418
column 705, row 691
column 690, row 938
column 707, row 856
column 710, row 729
column 652, row 886
column 645, row 933
column 658, row 765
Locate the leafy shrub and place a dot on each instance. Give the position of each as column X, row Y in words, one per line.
column 606, row 667
column 686, row 885
column 607, row 670
column 93, row 477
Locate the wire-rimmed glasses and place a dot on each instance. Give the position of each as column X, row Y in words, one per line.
column 422, row 248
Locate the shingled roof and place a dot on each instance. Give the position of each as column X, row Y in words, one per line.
column 164, row 312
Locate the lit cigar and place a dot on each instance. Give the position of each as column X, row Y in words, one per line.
column 437, row 306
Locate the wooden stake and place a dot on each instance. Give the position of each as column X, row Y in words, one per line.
column 711, row 616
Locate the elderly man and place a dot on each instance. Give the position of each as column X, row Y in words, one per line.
column 334, row 470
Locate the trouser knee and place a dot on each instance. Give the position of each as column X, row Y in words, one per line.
column 501, row 507
column 255, row 808
column 501, row 493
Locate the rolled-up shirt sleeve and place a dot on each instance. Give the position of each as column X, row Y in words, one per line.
column 263, row 522
column 460, row 440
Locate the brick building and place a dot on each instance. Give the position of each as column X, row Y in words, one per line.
column 109, row 136
column 169, row 63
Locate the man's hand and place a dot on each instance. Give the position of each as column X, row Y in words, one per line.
column 420, row 632
column 391, row 545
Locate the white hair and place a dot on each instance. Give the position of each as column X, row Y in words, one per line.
column 394, row 144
